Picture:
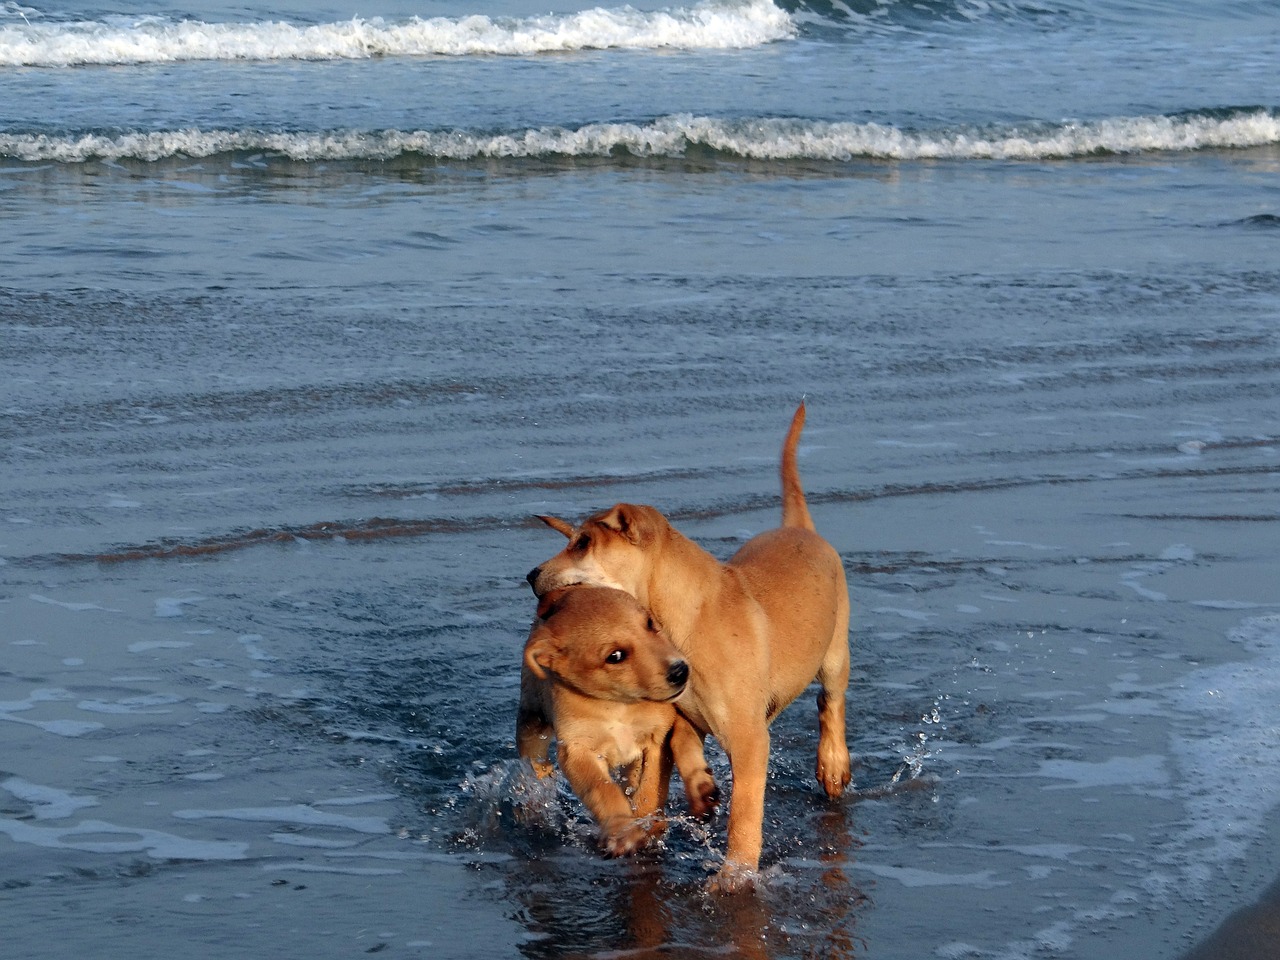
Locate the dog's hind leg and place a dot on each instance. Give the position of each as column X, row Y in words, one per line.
column 833, row 769
column 533, row 736
column 534, row 730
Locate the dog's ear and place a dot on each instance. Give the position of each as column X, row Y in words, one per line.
column 626, row 520
column 539, row 655
column 555, row 523
column 550, row 604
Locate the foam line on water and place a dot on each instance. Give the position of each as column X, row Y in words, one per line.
column 47, row 803
column 676, row 136
column 1230, row 755
column 300, row 814
column 97, row 836
column 709, row 25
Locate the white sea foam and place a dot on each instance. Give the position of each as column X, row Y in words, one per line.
column 1145, row 772
column 65, row 605
column 294, row 866
column 761, row 139
column 152, row 703
column 172, row 606
column 47, row 803
column 712, row 24
column 146, row 646
column 912, row 877
column 298, row 813
column 1230, row 754
column 356, row 801
column 298, row 840
column 96, row 836
column 60, row 727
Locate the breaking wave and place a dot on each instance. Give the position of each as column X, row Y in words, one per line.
column 769, row 139
column 711, row 24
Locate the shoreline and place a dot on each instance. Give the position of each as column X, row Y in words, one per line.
column 1252, row 931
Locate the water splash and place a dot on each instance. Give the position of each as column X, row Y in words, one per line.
column 510, row 794
column 920, row 746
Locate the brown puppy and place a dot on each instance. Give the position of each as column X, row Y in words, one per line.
column 756, row 631
column 601, row 676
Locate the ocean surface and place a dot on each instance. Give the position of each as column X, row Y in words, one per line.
column 306, row 308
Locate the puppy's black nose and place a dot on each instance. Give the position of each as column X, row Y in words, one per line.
column 533, row 575
column 678, row 674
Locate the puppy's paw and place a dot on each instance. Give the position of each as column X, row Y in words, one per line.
column 703, row 794
column 622, row 837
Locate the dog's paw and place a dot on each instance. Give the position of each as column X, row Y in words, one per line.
column 733, row 878
column 834, row 773
column 703, row 794
column 543, row 769
column 623, row 837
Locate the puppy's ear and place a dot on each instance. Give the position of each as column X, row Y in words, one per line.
column 550, row 604
column 627, row 520
column 556, row 524
column 539, row 656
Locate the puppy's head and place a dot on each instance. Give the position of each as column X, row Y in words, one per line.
column 610, row 549
column 603, row 644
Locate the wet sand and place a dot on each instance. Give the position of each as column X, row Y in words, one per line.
column 1253, row 931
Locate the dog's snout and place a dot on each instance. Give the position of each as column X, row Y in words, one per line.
column 532, row 576
column 678, row 674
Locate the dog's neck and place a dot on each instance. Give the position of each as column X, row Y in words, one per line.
column 682, row 578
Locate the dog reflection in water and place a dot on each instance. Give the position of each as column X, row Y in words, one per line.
column 601, row 677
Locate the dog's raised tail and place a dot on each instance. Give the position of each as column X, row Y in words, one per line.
column 795, row 511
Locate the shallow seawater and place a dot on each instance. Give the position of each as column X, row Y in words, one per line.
column 262, row 624
column 306, row 311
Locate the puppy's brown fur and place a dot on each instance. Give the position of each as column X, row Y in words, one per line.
column 601, row 676
column 756, row 630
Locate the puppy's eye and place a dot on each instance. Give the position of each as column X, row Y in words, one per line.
column 616, row 657
column 582, row 542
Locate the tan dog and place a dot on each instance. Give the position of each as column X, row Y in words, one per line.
column 756, row 631
column 601, row 676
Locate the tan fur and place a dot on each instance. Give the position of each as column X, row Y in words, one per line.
column 756, row 631
column 608, row 716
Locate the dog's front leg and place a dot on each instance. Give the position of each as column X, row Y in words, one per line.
column 652, row 779
column 748, row 751
column 691, row 760
column 650, row 783
column 620, row 832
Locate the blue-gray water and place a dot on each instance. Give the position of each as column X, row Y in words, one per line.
column 302, row 316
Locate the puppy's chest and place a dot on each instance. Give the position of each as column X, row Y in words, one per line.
column 621, row 744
